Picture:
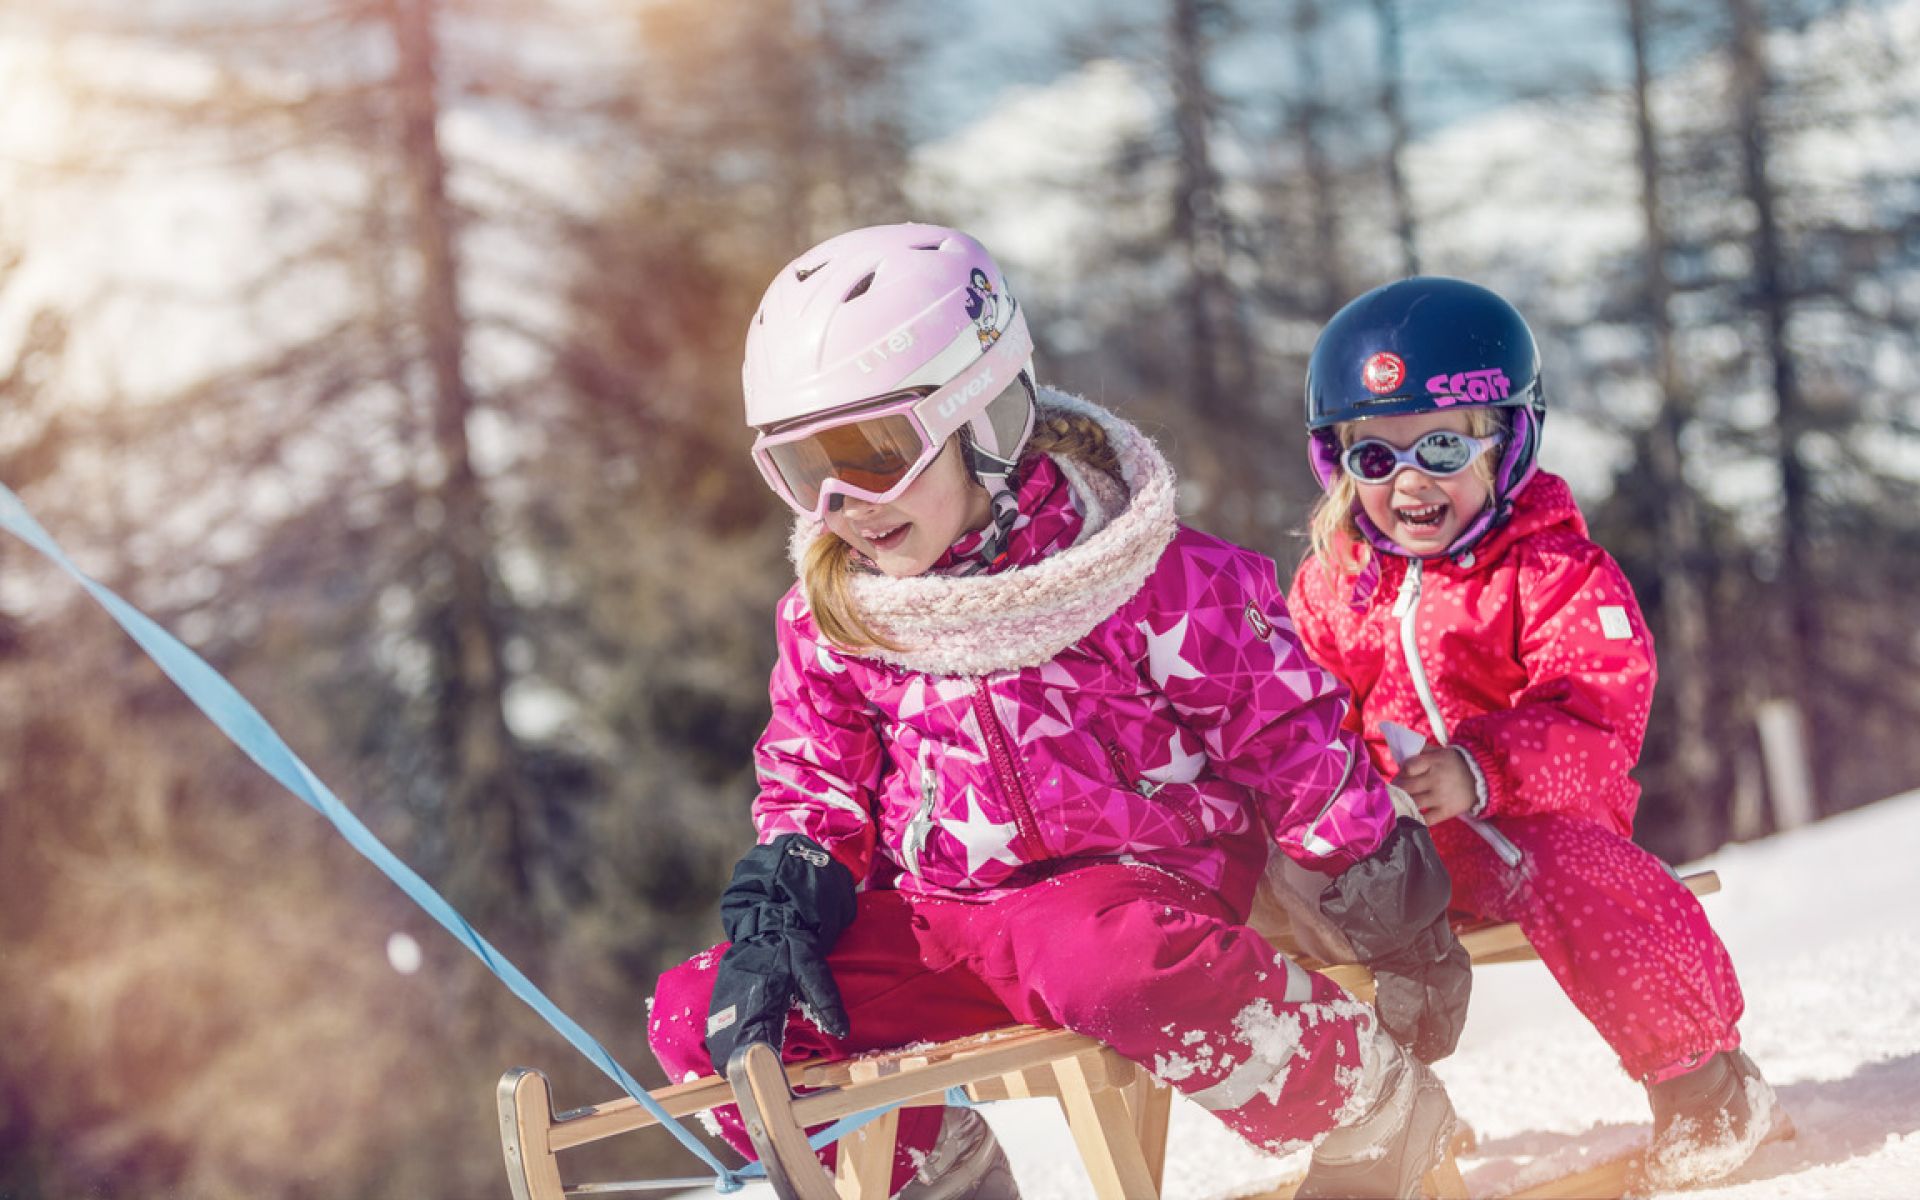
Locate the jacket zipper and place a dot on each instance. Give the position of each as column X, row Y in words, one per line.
column 1406, row 606
column 1011, row 783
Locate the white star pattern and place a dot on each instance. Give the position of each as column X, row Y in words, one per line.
column 1302, row 682
column 1045, row 724
column 950, row 690
column 800, row 747
column 985, row 841
column 1163, row 653
column 963, row 747
column 1056, row 675
column 1180, row 767
column 913, row 701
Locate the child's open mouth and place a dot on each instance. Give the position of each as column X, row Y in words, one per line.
column 888, row 538
column 1426, row 516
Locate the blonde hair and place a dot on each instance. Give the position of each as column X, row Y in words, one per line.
column 829, row 567
column 1335, row 535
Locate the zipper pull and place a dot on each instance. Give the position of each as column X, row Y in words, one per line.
column 915, row 838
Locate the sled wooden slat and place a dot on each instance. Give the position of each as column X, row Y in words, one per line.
column 1152, row 1105
column 865, row 1161
column 934, row 1078
column 1117, row 1112
column 766, row 1106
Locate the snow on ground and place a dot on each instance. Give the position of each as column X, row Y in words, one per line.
column 1822, row 928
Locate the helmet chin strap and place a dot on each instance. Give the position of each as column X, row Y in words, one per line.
column 995, row 474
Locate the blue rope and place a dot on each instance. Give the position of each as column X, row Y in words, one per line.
column 249, row 730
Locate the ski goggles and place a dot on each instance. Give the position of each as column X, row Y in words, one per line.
column 873, row 453
column 1440, row 454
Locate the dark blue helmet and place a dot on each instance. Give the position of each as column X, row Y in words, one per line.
column 1421, row 345
column 1427, row 344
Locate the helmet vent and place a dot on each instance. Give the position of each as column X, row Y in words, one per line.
column 801, row 273
column 860, row 289
column 929, row 246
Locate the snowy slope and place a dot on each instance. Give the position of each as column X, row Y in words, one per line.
column 1821, row 926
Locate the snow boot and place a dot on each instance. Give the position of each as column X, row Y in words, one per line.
column 1386, row 1151
column 1708, row 1122
column 966, row 1163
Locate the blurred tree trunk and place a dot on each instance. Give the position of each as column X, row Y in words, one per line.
column 1323, row 188
column 1392, row 107
column 483, row 816
column 1684, row 657
column 1798, row 655
column 1221, row 362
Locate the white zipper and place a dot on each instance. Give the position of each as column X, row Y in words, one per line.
column 1406, row 606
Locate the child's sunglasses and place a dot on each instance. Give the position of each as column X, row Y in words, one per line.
column 1440, row 454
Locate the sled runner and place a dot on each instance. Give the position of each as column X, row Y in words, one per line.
column 1117, row 1111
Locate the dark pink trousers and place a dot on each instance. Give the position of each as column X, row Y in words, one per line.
column 1628, row 942
column 1148, row 963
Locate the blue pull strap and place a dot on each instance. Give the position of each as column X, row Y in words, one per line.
column 236, row 718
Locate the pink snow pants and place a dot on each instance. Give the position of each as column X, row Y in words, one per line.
column 1152, row 965
column 1628, row 943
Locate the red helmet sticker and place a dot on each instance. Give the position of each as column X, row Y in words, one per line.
column 1383, row 373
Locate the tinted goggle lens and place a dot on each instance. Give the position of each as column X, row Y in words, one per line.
column 1439, row 453
column 873, row 456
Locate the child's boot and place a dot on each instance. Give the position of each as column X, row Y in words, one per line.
column 1401, row 1135
column 1709, row 1121
column 966, row 1163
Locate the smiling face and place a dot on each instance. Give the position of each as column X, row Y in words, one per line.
column 1423, row 514
column 909, row 535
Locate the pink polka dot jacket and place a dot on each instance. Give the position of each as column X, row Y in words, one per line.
column 1531, row 651
column 1116, row 687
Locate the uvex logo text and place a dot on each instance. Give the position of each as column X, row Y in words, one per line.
column 1470, row 387
column 958, row 394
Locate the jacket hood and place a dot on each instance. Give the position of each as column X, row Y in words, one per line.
column 1544, row 502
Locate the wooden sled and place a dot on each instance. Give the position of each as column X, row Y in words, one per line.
column 1117, row 1111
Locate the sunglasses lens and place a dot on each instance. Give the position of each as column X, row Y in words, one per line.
column 1371, row 460
column 1443, row 453
column 872, row 455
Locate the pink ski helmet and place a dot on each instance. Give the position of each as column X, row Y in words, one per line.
column 873, row 348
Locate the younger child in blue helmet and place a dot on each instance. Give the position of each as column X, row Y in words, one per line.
column 1502, row 675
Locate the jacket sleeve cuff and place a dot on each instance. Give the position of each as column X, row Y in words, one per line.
column 1492, row 793
column 1480, row 794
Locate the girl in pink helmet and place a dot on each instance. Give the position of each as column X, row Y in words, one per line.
column 1501, row 667
column 1032, row 743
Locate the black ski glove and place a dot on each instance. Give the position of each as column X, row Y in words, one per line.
column 787, row 905
column 1392, row 905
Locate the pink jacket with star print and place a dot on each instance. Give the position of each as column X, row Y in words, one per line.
column 1534, row 654
column 1185, row 728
